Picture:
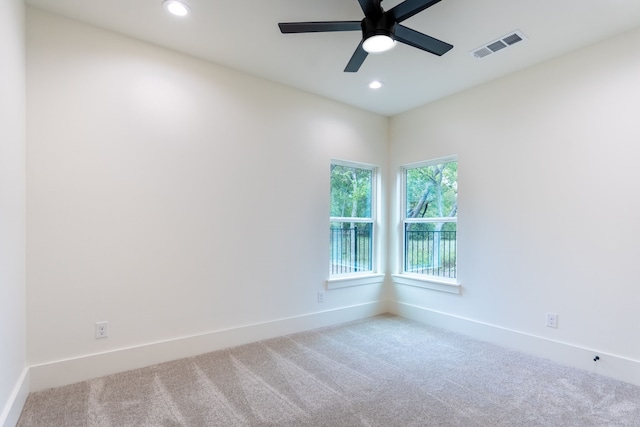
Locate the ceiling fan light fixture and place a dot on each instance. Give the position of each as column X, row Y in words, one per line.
column 378, row 43
column 176, row 7
column 381, row 29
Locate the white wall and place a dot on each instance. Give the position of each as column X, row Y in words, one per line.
column 173, row 198
column 12, row 212
column 548, row 206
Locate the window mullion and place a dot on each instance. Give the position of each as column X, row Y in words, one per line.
column 419, row 220
column 349, row 219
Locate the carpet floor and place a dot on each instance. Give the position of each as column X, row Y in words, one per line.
column 383, row 371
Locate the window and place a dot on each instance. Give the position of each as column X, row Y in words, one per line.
column 430, row 219
column 352, row 219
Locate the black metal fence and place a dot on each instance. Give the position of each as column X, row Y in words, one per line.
column 351, row 249
column 430, row 252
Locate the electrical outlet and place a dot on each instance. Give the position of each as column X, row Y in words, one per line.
column 320, row 296
column 552, row 320
column 102, row 329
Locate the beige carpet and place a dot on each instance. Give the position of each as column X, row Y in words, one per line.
column 384, row 371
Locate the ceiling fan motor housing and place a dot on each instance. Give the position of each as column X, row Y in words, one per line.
column 384, row 25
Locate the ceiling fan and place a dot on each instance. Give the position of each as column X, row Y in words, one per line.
column 380, row 30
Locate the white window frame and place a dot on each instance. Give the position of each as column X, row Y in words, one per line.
column 414, row 279
column 374, row 276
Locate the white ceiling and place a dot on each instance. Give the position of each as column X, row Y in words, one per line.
column 244, row 35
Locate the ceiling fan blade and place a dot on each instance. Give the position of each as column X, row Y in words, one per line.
column 319, row 27
column 357, row 59
column 421, row 41
column 408, row 8
column 371, row 8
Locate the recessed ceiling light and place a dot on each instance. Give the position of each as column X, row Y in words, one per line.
column 176, row 7
column 376, row 84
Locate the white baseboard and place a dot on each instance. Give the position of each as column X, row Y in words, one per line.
column 609, row 365
column 69, row 371
column 13, row 408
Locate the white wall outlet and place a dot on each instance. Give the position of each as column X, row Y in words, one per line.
column 552, row 320
column 102, row 329
column 320, row 296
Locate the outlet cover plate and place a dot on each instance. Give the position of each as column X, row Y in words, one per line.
column 552, row 320
column 102, row 329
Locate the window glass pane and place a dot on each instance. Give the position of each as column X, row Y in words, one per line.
column 431, row 191
column 430, row 248
column 429, row 241
column 351, row 247
column 350, row 192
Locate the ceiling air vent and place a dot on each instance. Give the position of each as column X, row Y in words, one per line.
column 499, row 44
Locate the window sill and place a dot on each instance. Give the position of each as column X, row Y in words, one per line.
column 347, row 281
column 428, row 282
